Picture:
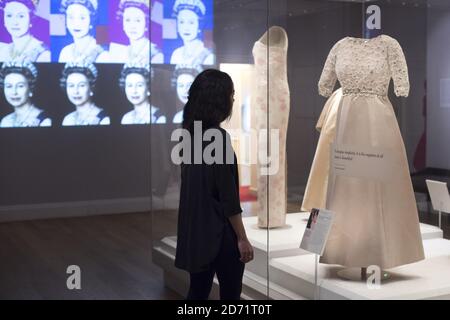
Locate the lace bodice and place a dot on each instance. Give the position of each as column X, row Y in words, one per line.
column 365, row 66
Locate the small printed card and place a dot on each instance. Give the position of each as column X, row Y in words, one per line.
column 317, row 231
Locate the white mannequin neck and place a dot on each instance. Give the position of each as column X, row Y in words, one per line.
column 275, row 37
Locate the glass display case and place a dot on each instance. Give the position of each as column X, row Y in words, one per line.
column 340, row 106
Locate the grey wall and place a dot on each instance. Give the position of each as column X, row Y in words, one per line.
column 438, row 67
column 408, row 25
column 81, row 164
column 49, row 165
column 313, row 28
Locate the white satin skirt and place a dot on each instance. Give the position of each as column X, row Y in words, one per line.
column 376, row 222
column 316, row 189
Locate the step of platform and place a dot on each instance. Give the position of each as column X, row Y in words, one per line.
column 427, row 279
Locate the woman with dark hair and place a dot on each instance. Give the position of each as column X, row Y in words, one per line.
column 135, row 81
column 211, row 236
column 18, row 18
column 79, row 82
column 18, row 80
column 80, row 21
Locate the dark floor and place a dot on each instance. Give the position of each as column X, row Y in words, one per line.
column 113, row 253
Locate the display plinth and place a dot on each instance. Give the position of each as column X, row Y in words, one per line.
column 292, row 269
column 355, row 274
column 427, row 279
column 254, row 287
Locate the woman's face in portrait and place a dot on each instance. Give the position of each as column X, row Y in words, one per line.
column 17, row 90
column 184, row 82
column 78, row 20
column 188, row 25
column 17, row 19
column 136, row 88
column 78, row 89
column 134, row 23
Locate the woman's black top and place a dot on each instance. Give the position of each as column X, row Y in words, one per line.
column 209, row 195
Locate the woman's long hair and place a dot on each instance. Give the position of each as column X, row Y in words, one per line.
column 210, row 100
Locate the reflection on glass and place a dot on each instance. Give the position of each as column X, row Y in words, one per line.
column 79, row 82
column 189, row 14
column 183, row 77
column 134, row 79
column 80, row 21
column 18, row 18
column 134, row 18
column 18, row 81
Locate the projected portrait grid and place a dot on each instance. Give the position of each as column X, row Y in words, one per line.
column 127, row 36
column 108, row 31
column 76, row 94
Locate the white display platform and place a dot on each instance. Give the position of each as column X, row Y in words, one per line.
column 427, row 279
column 430, row 232
column 292, row 269
column 280, row 239
column 254, row 287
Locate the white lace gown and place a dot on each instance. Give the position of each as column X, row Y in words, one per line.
column 376, row 222
column 272, row 114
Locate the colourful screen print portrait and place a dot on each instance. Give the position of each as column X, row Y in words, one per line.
column 24, row 30
column 187, row 32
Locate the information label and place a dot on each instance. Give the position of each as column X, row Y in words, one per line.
column 440, row 198
column 317, row 231
column 364, row 162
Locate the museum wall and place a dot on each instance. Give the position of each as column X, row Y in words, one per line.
column 438, row 98
column 51, row 166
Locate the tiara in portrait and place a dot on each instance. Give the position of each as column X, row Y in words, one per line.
column 83, row 65
column 66, row 3
column 184, row 66
column 123, row 3
column 137, row 65
column 195, row 5
column 21, row 64
column 30, row 4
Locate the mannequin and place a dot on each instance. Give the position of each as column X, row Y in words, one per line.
column 371, row 29
column 272, row 114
